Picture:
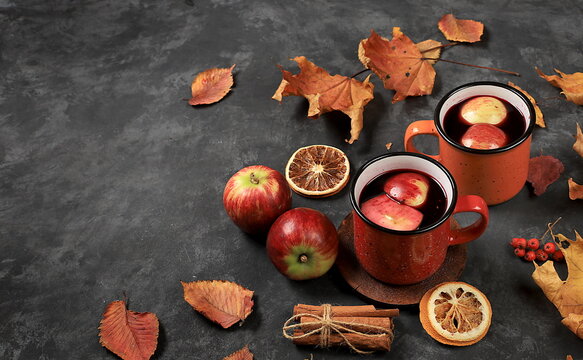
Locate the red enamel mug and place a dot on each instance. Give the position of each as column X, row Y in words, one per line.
column 497, row 175
column 408, row 257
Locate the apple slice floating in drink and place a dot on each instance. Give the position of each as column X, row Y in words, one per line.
column 484, row 137
column 408, row 188
column 388, row 213
column 484, row 110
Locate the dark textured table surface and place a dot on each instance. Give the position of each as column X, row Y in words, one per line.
column 110, row 183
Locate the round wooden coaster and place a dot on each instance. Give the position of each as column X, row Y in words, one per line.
column 374, row 289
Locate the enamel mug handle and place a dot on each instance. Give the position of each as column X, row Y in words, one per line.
column 470, row 203
column 421, row 127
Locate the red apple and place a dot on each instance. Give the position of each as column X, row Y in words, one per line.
column 484, row 110
column 408, row 188
column 255, row 196
column 484, row 137
column 389, row 214
column 302, row 244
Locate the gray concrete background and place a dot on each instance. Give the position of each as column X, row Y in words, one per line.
column 111, row 183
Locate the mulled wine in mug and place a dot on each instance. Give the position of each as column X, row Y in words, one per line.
column 402, row 208
column 484, row 131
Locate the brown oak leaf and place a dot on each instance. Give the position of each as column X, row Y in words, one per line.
column 128, row 334
column 326, row 93
column 399, row 63
column 460, row 30
column 211, row 86
column 223, row 302
column 539, row 114
column 243, row 354
column 567, row 296
column 578, row 145
column 543, row 171
column 575, row 190
column 571, row 84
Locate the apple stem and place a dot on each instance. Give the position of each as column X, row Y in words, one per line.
column 254, row 179
column 303, row 258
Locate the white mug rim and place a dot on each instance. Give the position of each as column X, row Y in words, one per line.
column 448, row 212
column 527, row 133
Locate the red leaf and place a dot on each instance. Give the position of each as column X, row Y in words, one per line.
column 243, row 354
column 211, row 86
column 460, row 30
column 128, row 334
column 543, row 171
column 223, row 302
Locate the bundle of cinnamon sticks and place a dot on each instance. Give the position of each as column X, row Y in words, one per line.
column 358, row 327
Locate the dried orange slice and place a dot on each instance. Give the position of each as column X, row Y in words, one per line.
column 317, row 171
column 455, row 313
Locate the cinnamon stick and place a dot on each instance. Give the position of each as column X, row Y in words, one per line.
column 361, row 324
column 346, row 311
column 362, row 342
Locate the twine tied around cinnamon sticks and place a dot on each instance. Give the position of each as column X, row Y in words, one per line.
column 357, row 327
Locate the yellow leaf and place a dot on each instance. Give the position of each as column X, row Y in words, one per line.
column 578, row 145
column 575, row 190
column 575, row 323
column 567, row 296
column 430, row 49
column 571, row 84
column 539, row 114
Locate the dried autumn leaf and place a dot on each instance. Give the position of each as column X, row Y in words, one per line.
column 243, row 354
column 575, row 190
column 460, row 30
column 571, row 84
column 327, row 93
column 539, row 114
column 543, row 171
column 578, row 145
column 575, row 323
column 223, row 302
column 211, row 86
column 398, row 63
column 567, row 296
column 128, row 334
column 430, row 49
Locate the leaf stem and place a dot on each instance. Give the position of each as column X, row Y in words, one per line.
column 440, row 46
column 360, row 72
column 550, row 227
column 476, row 66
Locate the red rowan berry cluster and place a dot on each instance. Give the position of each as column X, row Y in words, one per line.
column 531, row 250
